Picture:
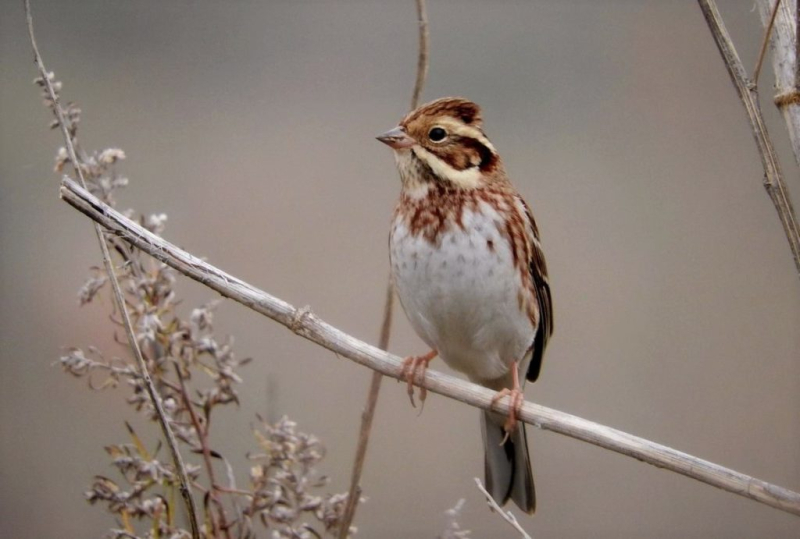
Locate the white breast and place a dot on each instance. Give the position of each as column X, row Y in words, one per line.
column 461, row 296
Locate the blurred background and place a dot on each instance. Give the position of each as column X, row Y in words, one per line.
column 252, row 124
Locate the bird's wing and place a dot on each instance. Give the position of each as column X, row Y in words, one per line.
column 538, row 269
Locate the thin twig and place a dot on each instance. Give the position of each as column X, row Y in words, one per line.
column 354, row 493
column 422, row 58
column 304, row 323
column 118, row 296
column 748, row 93
column 506, row 515
column 202, row 438
column 232, row 489
column 765, row 42
column 797, row 48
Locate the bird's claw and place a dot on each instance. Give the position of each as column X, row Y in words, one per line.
column 516, row 398
column 414, row 368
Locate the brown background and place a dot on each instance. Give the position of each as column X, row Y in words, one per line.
column 251, row 125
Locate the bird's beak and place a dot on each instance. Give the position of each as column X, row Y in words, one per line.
column 397, row 139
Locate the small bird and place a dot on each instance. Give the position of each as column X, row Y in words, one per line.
column 470, row 273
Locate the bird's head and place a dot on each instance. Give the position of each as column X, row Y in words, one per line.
column 442, row 141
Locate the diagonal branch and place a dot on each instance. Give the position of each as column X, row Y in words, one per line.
column 306, row 324
column 748, row 93
column 180, row 467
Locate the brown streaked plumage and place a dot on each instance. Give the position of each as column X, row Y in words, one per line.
column 470, row 273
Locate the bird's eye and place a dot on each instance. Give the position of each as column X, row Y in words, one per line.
column 437, row 134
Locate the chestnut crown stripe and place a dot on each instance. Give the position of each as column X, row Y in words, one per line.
column 455, row 107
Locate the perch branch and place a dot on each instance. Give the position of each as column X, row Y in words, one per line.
column 304, row 323
column 508, row 516
column 354, row 494
column 120, row 299
column 748, row 93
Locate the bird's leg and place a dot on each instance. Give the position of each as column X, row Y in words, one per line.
column 516, row 398
column 411, row 365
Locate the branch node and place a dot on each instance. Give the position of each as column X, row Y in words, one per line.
column 299, row 320
column 785, row 99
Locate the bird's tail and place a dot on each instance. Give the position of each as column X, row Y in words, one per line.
column 508, row 466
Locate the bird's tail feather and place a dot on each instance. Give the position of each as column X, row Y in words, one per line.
column 507, row 465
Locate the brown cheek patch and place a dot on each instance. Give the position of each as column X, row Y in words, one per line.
column 456, row 157
column 486, row 159
column 466, row 153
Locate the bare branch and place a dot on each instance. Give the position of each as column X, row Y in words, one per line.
column 748, row 93
column 764, row 42
column 180, row 467
column 784, row 62
column 796, row 47
column 508, row 516
column 354, row 494
column 422, row 59
column 306, row 324
column 205, row 450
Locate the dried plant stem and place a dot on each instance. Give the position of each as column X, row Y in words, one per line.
column 368, row 414
column 508, row 516
column 422, row 57
column 118, row 296
column 796, row 47
column 748, row 93
column 306, row 324
column 202, row 437
column 785, row 46
column 764, row 42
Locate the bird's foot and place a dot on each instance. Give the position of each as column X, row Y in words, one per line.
column 414, row 366
column 515, row 400
column 516, row 397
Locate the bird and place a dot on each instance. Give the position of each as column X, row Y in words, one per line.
column 469, row 271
